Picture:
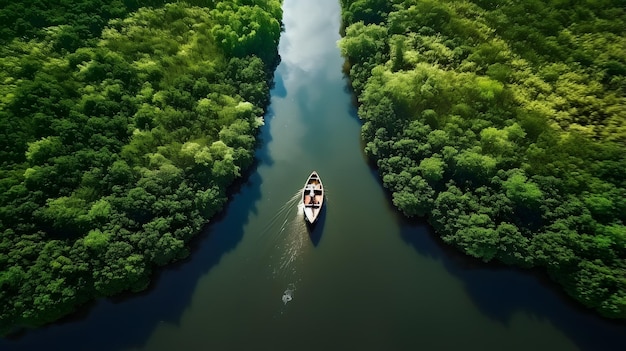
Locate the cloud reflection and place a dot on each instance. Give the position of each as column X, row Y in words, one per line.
column 305, row 45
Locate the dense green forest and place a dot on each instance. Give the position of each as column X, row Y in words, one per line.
column 504, row 124
column 122, row 124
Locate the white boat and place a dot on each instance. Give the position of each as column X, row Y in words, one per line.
column 313, row 197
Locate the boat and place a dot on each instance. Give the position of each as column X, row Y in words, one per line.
column 313, row 197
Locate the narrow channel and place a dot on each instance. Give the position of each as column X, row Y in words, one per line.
column 362, row 279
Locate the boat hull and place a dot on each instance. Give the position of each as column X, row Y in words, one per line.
column 313, row 197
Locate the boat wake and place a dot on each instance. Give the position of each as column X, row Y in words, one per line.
column 283, row 239
column 281, row 216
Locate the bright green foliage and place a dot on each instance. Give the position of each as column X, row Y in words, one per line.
column 432, row 169
column 121, row 129
column 96, row 240
column 522, row 191
column 505, row 125
column 247, row 30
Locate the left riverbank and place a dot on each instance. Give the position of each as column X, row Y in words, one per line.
column 123, row 129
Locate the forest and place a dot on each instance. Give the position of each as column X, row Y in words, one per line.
column 122, row 125
column 503, row 123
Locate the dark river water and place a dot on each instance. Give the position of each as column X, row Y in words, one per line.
column 362, row 279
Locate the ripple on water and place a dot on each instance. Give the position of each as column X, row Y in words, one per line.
column 287, row 296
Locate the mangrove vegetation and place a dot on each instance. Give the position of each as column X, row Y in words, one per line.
column 504, row 124
column 122, row 125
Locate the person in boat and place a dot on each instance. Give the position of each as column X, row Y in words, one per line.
column 309, row 198
column 317, row 197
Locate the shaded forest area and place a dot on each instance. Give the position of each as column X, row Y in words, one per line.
column 122, row 124
column 503, row 123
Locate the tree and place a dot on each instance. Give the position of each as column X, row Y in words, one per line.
column 432, row 169
column 522, row 191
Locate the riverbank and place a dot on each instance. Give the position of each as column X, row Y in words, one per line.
column 460, row 117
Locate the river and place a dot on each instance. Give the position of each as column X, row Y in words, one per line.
column 362, row 279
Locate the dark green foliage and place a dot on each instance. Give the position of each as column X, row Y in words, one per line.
column 504, row 124
column 122, row 128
